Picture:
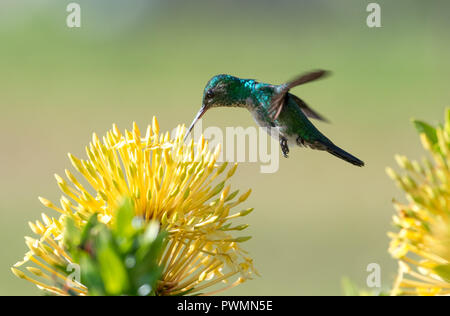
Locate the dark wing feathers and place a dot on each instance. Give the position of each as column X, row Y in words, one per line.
column 277, row 105
column 279, row 99
column 307, row 110
column 310, row 76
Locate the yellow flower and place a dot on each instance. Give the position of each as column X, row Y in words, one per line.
column 422, row 246
column 167, row 181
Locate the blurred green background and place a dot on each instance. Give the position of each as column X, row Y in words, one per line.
column 317, row 219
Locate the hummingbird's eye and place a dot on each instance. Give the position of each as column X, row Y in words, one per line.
column 210, row 94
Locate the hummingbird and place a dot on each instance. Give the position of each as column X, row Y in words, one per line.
column 273, row 106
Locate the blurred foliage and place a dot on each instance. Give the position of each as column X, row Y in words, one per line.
column 422, row 246
column 121, row 260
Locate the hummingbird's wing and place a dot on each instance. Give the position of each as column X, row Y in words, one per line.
column 279, row 99
column 306, row 109
column 310, row 76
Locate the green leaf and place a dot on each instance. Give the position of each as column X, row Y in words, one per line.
column 72, row 235
column 112, row 268
column 147, row 270
column 122, row 260
column 88, row 230
column 90, row 275
column 148, row 254
column 426, row 129
column 123, row 226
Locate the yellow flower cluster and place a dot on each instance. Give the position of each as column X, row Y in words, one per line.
column 422, row 246
column 168, row 181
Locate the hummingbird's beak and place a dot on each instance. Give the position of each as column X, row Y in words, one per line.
column 197, row 117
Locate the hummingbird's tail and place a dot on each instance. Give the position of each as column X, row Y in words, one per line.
column 340, row 153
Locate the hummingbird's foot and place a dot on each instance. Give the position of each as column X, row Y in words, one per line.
column 300, row 141
column 284, row 147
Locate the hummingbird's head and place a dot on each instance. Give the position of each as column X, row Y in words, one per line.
column 222, row 90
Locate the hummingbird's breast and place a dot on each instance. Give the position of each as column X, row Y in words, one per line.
column 262, row 118
column 258, row 103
